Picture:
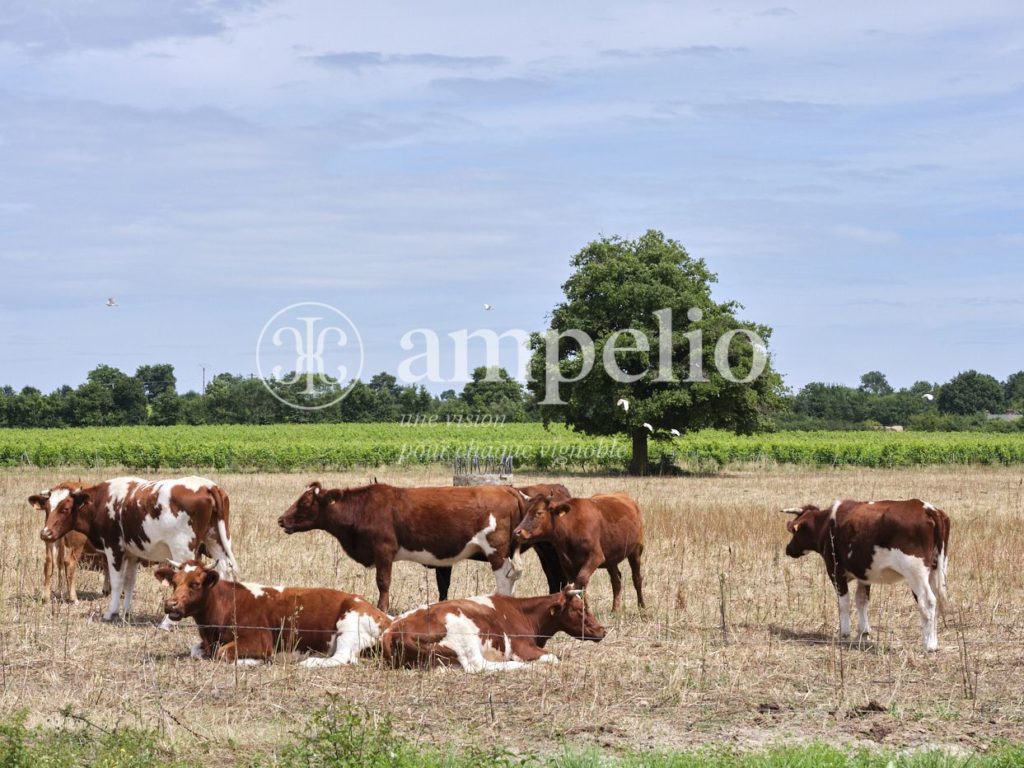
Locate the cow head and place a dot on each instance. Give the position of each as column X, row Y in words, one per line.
column 308, row 512
column 570, row 615
column 191, row 582
column 64, row 507
column 539, row 519
column 807, row 526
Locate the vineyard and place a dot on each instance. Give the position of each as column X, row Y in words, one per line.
column 284, row 448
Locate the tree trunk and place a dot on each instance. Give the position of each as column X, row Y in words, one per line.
column 638, row 466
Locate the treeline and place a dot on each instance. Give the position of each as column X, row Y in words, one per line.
column 966, row 402
column 110, row 397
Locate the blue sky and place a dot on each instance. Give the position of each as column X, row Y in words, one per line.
column 854, row 174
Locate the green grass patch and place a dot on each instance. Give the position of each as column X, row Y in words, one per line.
column 340, row 736
column 294, row 447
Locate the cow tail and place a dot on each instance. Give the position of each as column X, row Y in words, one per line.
column 221, row 512
column 941, row 522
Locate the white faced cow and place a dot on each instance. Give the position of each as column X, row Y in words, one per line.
column 878, row 542
column 129, row 519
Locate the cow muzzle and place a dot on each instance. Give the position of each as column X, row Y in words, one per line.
column 173, row 612
column 47, row 535
column 520, row 535
column 285, row 525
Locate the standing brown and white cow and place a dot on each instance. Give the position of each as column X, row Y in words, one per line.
column 69, row 553
column 487, row 633
column 378, row 524
column 878, row 542
column 130, row 519
column 597, row 532
column 248, row 623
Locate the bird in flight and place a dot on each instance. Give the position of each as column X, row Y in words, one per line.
column 674, row 432
column 112, row 303
column 928, row 396
column 488, row 307
column 649, row 427
column 623, row 403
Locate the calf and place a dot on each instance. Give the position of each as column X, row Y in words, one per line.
column 587, row 534
column 129, row 519
column 70, row 552
column 378, row 524
column 878, row 542
column 248, row 623
column 487, row 633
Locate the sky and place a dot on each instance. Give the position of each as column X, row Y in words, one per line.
column 854, row 173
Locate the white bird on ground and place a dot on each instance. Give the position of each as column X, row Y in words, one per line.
column 623, row 403
column 488, row 307
column 674, row 432
column 928, row 396
column 111, row 302
column 649, row 427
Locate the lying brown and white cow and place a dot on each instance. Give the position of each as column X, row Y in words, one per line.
column 878, row 542
column 69, row 553
column 587, row 534
column 131, row 519
column 378, row 524
column 248, row 623
column 489, row 633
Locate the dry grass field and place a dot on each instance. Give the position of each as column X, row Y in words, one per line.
column 672, row 677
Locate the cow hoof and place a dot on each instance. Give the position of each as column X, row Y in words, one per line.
column 108, row 619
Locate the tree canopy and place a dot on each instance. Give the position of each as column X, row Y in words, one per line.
column 651, row 286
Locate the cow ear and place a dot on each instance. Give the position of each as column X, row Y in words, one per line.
column 165, row 575
column 560, row 509
column 316, row 486
column 210, row 578
column 38, row 501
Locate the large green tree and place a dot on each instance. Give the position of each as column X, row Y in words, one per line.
column 1015, row 391
column 673, row 381
column 971, row 392
column 492, row 391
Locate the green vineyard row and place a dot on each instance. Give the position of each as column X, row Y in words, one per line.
column 326, row 446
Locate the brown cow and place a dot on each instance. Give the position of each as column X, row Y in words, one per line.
column 378, row 524
column 878, row 542
column 487, row 633
column 70, row 552
column 545, row 552
column 130, row 519
column 248, row 623
column 598, row 532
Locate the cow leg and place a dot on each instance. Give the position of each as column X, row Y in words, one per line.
column 524, row 649
column 443, row 575
column 917, row 579
column 469, row 650
column 591, row 564
column 250, row 650
column 70, row 567
column 51, row 555
column 616, row 576
column 863, row 596
column 383, row 584
column 551, row 565
column 844, row 608
column 116, row 587
column 356, row 632
column 106, row 582
column 131, row 567
column 638, row 578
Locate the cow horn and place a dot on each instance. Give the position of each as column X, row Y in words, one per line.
column 45, row 493
column 793, row 511
column 523, row 495
column 173, row 563
column 574, row 592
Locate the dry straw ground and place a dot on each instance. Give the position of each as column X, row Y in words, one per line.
column 670, row 678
